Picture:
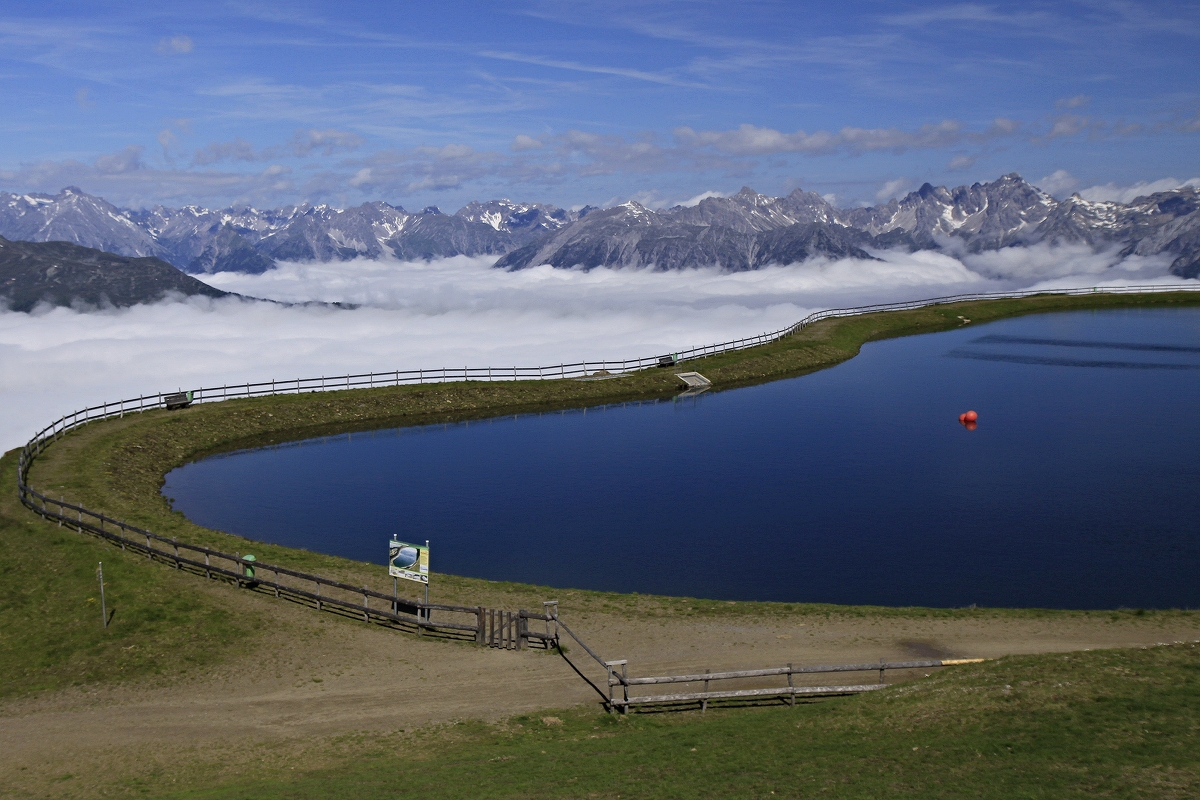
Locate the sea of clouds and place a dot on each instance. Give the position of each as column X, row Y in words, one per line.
column 462, row 312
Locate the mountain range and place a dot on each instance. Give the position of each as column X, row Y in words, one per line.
column 744, row 231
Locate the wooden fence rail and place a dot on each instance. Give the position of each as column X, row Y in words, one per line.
column 790, row 692
column 617, row 672
column 353, row 600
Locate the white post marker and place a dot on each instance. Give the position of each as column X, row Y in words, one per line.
column 103, row 607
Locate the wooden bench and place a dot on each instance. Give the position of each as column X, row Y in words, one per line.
column 177, row 400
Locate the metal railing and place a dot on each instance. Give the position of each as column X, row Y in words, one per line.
column 95, row 522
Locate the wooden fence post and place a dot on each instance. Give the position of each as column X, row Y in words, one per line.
column 480, row 627
column 550, row 609
column 791, row 685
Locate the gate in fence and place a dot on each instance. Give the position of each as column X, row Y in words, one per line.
column 509, row 630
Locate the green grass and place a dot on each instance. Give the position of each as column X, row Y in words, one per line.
column 51, row 632
column 1118, row 723
column 171, row 621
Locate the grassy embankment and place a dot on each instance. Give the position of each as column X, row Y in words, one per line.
column 170, row 621
column 1117, row 723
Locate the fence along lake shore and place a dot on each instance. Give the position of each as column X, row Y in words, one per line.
column 489, row 626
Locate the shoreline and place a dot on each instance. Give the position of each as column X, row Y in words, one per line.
column 152, row 443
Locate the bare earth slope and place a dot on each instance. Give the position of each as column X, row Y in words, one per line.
column 292, row 699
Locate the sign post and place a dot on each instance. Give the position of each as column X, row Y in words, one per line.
column 409, row 562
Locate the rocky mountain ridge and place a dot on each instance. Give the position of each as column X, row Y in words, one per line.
column 744, row 231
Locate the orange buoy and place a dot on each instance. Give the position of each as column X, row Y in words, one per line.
column 962, row 418
column 970, row 416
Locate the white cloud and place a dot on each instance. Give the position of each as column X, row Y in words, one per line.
column 521, row 142
column 1079, row 261
column 695, row 201
column 656, row 200
column 1059, row 183
column 303, row 143
column 326, row 142
column 1078, row 101
column 1125, row 194
column 174, row 45
column 124, row 179
column 127, row 160
column 461, row 312
column 892, row 189
column 1067, row 125
column 751, row 140
column 167, row 139
column 237, row 150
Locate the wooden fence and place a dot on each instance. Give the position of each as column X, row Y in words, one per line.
column 789, row 692
column 617, row 675
column 367, row 380
column 499, row 631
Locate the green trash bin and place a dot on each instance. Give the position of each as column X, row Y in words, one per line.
column 248, row 569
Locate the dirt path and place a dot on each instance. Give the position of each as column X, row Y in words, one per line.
column 350, row 678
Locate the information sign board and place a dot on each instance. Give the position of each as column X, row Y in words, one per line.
column 408, row 561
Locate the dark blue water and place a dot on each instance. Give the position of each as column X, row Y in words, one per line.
column 1080, row 488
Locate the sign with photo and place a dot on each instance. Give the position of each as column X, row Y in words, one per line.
column 408, row 561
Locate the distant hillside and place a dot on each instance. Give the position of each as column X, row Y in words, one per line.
column 60, row 273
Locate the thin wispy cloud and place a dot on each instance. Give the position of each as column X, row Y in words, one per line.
column 765, row 96
column 623, row 72
column 1127, row 194
column 174, row 45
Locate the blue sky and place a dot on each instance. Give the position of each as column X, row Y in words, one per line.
column 590, row 103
